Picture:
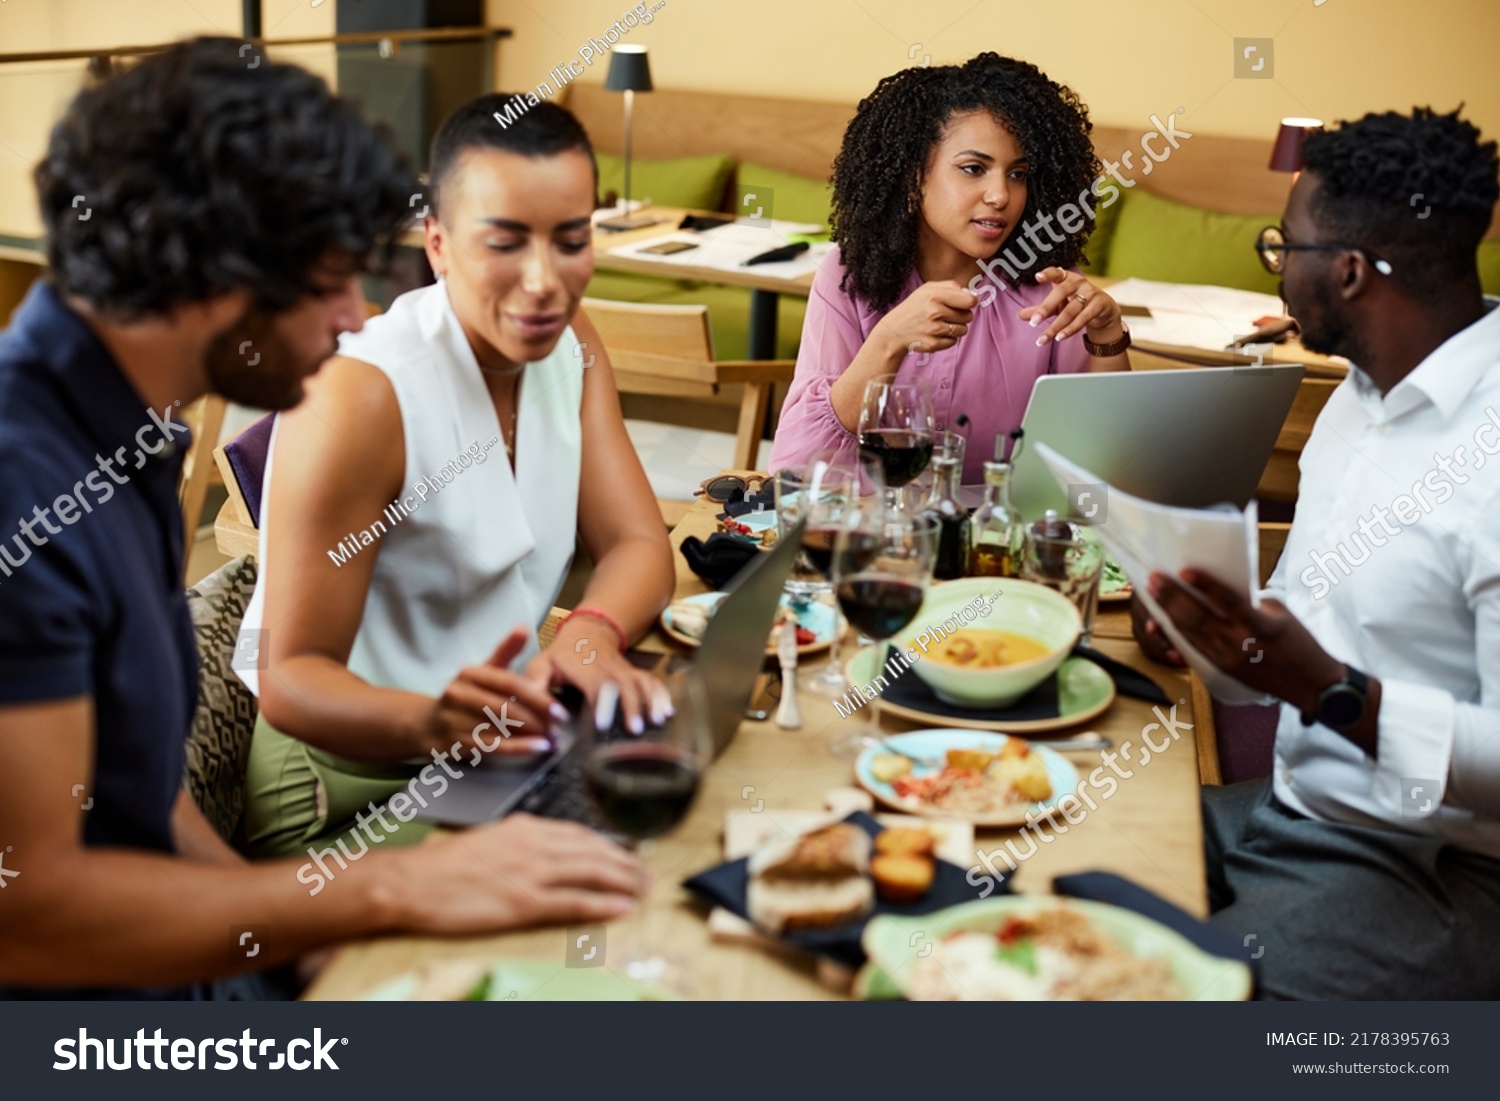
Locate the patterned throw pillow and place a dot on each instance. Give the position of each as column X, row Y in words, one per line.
column 219, row 745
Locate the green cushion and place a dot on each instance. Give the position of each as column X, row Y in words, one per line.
column 793, row 198
column 694, row 182
column 1106, row 218
column 1489, row 266
column 1155, row 238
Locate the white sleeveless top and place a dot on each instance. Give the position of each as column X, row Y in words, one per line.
column 470, row 549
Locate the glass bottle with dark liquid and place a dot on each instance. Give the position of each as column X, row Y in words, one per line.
column 996, row 534
column 952, row 557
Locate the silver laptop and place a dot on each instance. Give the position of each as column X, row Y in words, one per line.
column 728, row 663
column 1192, row 437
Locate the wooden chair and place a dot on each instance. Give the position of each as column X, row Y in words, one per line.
column 1279, row 480
column 242, row 463
column 663, row 355
column 206, row 419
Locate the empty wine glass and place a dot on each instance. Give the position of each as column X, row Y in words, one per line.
column 896, row 426
column 881, row 570
column 1068, row 558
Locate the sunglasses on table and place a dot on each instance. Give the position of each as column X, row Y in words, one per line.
column 723, row 488
column 1273, row 246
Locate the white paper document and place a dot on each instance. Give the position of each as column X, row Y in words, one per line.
column 729, row 246
column 1192, row 314
column 1145, row 538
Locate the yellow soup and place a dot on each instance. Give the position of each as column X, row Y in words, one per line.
column 974, row 648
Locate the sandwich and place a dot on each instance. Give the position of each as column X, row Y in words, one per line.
column 816, row 880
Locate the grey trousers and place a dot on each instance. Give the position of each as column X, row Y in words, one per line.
column 1341, row 912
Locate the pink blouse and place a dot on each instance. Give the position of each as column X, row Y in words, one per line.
column 988, row 374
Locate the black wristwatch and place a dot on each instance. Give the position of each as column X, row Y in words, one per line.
column 1341, row 706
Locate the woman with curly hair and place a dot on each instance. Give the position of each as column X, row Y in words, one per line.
column 961, row 205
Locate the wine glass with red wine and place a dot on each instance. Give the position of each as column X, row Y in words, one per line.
column 644, row 784
column 880, row 591
column 896, row 428
column 822, row 492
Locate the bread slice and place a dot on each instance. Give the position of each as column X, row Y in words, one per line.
column 778, row 906
column 826, row 854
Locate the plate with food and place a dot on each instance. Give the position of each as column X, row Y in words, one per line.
column 815, row 886
column 1041, row 948
column 1114, row 585
column 815, row 622
column 989, row 779
column 1079, row 691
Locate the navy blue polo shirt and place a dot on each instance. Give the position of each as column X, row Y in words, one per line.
column 91, row 560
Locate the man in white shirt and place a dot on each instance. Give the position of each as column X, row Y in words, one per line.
column 1368, row 866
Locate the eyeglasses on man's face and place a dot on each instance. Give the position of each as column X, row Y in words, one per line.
column 1273, row 247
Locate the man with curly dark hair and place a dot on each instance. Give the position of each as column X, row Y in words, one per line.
column 962, row 200
column 206, row 221
column 1368, row 866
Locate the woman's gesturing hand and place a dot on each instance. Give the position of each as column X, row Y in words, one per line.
column 933, row 317
column 1073, row 304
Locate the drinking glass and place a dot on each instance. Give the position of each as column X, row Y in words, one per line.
column 644, row 785
column 881, row 571
column 1069, row 559
column 822, row 491
column 896, row 426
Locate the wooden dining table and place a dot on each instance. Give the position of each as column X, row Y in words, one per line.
column 1149, row 830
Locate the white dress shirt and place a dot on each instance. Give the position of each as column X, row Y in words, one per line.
column 1393, row 564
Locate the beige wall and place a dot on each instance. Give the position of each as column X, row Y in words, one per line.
column 33, row 95
column 1128, row 59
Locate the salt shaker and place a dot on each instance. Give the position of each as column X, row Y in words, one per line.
column 788, row 714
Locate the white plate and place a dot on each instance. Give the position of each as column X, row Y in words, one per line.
column 935, row 744
column 817, row 617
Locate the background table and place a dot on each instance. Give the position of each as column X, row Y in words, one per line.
column 1149, row 831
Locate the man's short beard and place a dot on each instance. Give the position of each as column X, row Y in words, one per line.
column 252, row 364
column 1331, row 335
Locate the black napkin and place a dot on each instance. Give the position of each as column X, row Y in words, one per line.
column 739, row 503
column 907, row 689
column 1119, row 891
column 725, row 886
column 718, row 558
column 1129, row 681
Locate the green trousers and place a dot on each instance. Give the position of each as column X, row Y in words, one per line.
column 298, row 798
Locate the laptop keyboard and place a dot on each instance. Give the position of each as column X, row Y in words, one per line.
column 562, row 794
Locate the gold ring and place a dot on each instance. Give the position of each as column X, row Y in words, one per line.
column 950, row 330
column 1082, row 301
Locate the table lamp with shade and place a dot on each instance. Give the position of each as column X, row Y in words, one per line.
column 629, row 72
column 1286, row 154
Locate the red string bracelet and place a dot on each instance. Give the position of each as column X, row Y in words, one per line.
column 595, row 613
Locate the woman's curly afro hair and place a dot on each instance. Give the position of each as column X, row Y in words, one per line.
column 888, row 142
column 204, row 173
